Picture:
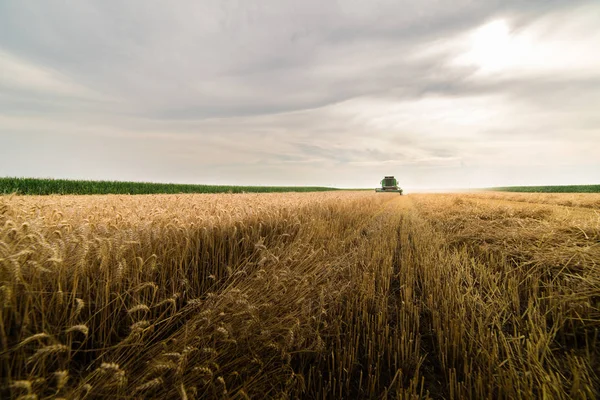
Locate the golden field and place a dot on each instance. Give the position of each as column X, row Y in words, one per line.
column 307, row 295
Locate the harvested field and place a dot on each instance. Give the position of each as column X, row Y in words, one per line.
column 559, row 199
column 300, row 295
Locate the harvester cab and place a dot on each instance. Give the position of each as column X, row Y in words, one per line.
column 389, row 184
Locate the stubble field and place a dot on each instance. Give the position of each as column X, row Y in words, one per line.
column 300, row 295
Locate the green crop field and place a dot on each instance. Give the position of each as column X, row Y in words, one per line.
column 550, row 189
column 35, row 186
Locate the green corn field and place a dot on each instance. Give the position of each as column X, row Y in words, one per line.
column 33, row 186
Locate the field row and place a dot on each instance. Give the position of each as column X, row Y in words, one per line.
column 33, row 186
column 299, row 295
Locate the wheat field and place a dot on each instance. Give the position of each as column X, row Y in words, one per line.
column 300, row 295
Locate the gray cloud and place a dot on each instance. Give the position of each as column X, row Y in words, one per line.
column 256, row 92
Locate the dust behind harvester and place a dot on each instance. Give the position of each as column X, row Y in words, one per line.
column 389, row 184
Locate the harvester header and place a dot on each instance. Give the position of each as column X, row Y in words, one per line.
column 389, row 184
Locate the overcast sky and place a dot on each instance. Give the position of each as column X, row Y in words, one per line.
column 461, row 93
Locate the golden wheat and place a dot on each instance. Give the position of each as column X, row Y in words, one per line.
column 316, row 295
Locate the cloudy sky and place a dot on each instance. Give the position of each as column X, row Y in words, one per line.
column 462, row 93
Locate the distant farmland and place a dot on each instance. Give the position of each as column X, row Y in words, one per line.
column 550, row 189
column 35, row 186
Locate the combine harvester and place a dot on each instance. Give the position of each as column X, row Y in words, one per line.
column 389, row 184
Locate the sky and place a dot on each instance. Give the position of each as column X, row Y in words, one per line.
column 440, row 94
